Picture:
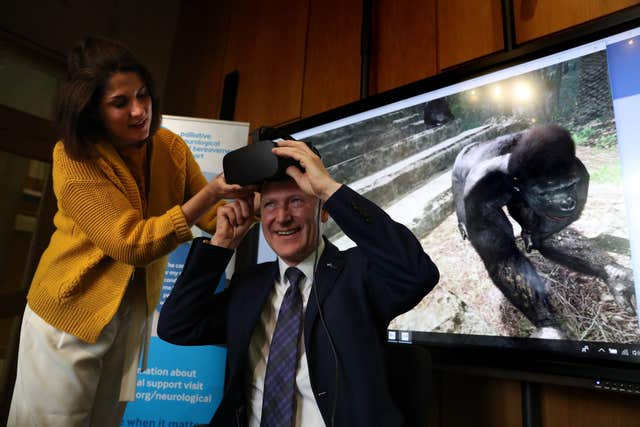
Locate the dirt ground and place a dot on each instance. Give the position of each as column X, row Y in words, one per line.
column 467, row 301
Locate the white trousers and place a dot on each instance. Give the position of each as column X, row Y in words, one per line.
column 65, row 382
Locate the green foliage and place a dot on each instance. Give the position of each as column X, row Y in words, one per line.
column 607, row 174
column 584, row 136
column 607, row 141
column 590, row 137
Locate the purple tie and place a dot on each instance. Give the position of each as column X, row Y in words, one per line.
column 279, row 398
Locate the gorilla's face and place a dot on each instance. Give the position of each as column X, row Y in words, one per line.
column 554, row 197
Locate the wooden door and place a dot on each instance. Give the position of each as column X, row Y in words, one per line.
column 332, row 64
column 26, row 224
column 467, row 31
column 403, row 43
column 537, row 18
column 266, row 45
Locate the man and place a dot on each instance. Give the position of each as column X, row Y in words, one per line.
column 338, row 375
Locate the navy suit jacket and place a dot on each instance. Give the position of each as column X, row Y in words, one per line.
column 360, row 291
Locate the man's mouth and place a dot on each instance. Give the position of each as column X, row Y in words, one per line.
column 285, row 233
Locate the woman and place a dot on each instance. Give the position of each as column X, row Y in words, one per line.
column 128, row 193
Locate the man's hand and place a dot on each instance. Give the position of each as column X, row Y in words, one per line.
column 234, row 221
column 315, row 181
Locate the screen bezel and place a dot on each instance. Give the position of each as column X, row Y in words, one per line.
column 462, row 352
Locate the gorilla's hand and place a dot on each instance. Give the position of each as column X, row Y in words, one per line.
column 527, row 240
column 549, row 333
column 463, row 230
column 620, row 282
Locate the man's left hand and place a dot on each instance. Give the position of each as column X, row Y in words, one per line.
column 315, row 180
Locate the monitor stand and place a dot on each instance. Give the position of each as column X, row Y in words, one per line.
column 530, row 395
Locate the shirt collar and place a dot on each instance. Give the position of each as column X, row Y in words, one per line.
column 306, row 266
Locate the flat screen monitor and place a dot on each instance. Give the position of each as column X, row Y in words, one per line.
column 539, row 260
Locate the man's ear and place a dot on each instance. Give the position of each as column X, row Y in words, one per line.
column 324, row 216
column 257, row 210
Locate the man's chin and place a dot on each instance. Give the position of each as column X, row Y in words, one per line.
column 286, row 251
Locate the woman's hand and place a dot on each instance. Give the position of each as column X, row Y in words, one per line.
column 216, row 190
column 219, row 189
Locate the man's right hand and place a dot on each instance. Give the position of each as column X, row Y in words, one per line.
column 234, row 221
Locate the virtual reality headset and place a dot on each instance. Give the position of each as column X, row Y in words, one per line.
column 255, row 163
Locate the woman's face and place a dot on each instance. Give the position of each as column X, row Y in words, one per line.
column 125, row 109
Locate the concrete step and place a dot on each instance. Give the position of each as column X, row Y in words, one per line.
column 371, row 160
column 392, row 184
column 398, row 178
column 420, row 211
column 353, row 140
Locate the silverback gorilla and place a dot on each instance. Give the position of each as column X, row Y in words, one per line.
column 538, row 177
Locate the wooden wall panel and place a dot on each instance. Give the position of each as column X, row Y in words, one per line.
column 57, row 25
column 536, row 18
column 468, row 30
column 403, row 45
column 26, row 135
column 267, row 40
column 194, row 84
column 332, row 69
column 469, row 400
column 573, row 407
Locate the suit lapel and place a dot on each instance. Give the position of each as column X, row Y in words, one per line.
column 256, row 289
column 255, row 292
column 329, row 268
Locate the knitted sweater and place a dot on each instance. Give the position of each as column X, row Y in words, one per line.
column 102, row 233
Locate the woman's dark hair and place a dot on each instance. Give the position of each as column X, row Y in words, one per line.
column 90, row 65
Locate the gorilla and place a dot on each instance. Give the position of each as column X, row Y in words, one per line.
column 537, row 176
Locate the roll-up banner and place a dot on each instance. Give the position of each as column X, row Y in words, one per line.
column 182, row 386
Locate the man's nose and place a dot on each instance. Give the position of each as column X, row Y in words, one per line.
column 283, row 214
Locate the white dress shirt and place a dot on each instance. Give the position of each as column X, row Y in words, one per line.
column 307, row 410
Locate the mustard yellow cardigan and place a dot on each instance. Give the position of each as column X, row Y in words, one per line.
column 102, row 235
